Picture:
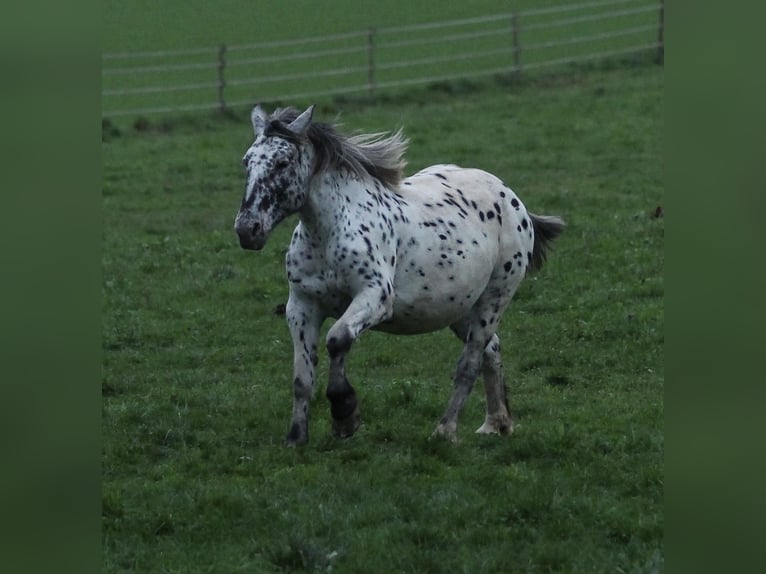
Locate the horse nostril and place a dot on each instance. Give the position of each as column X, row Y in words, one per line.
column 256, row 228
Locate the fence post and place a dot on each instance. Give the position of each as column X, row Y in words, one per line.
column 661, row 35
column 371, row 62
column 516, row 43
column 221, row 79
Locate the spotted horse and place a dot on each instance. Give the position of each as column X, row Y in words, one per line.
column 445, row 247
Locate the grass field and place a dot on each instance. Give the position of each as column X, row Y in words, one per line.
column 161, row 56
column 176, row 24
column 197, row 364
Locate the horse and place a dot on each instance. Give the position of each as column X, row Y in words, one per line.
column 445, row 247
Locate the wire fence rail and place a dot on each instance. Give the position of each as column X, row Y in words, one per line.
column 377, row 59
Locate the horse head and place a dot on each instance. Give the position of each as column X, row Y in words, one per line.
column 278, row 165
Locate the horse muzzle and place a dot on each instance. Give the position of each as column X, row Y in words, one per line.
column 251, row 235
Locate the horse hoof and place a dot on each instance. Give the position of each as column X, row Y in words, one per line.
column 499, row 427
column 294, row 443
column 345, row 428
column 445, row 432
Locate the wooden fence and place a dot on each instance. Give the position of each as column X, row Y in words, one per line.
column 377, row 59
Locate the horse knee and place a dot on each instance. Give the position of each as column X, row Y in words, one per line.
column 339, row 340
column 302, row 390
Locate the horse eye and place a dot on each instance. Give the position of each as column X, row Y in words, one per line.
column 281, row 164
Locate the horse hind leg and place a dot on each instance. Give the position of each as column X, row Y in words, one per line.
column 468, row 367
column 481, row 354
column 498, row 419
column 465, row 376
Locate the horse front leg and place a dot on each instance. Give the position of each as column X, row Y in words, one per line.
column 304, row 320
column 344, row 407
column 366, row 310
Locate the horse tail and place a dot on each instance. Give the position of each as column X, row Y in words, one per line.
column 547, row 228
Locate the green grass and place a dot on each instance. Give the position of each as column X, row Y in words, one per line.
column 176, row 24
column 338, row 64
column 197, row 364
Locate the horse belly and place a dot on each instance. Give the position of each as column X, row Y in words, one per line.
column 429, row 300
column 423, row 317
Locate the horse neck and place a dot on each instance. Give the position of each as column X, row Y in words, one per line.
column 329, row 197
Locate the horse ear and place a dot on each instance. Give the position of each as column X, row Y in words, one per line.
column 300, row 125
column 259, row 119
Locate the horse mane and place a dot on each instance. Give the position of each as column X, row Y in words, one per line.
column 379, row 154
